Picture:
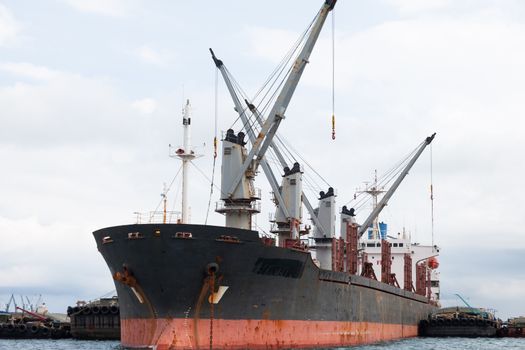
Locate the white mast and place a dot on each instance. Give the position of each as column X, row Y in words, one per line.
column 186, row 121
column 375, row 191
column 186, row 154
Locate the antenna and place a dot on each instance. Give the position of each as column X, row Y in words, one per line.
column 186, row 154
column 374, row 190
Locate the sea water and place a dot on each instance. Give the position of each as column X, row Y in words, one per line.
column 408, row 344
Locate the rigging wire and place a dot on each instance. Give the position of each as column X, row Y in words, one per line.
column 308, row 185
column 216, row 113
column 285, row 152
column 333, row 74
column 264, row 233
column 288, row 145
column 166, row 192
column 273, row 77
column 175, row 199
column 384, row 179
column 108, row 294
column 273, row 96
column 288, row 55
column 290, row 157
column 431, row 196
column 206, row 177
column 359, row 203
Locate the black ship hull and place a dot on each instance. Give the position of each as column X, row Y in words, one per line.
column 191, row 286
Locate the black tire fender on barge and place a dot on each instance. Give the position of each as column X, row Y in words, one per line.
column 114, row 309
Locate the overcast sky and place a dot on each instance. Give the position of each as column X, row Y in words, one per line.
column 91, row 93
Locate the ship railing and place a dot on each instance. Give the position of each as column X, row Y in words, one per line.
column 223, row 207
column 157, row 217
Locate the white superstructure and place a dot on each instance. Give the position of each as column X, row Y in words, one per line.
column 400, row 246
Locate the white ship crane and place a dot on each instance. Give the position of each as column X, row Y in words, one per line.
column 384, row 201
column 278, row 110
column 239, row 166
column 282, row 209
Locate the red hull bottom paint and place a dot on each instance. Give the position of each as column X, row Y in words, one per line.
column 255, row 334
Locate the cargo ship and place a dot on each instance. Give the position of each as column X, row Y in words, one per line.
column 193, row 286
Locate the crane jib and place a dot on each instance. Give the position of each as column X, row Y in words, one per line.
column 330, row 3
column 278, row 110
column 394, row 186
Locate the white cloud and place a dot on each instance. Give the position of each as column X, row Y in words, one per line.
column 145, row 105
column 28, row 70
column 56, row 258
column 9, row 26
column 150, row 55
column 64, row 104
column 113, row 8
column 411, row 6
column 270, row 44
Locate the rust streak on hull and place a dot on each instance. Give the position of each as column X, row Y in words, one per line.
column 261, row 334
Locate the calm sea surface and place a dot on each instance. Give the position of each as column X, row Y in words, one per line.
column 410, row 344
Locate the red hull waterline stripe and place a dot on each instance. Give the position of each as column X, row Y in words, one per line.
column 255, row 334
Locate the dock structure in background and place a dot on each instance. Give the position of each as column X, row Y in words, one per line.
column 97, row 320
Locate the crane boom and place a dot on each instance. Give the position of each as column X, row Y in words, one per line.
column 472, row 309
column 40, row 317
column 276, row 115
column 393, row 188
column 11, row 300
column 251, row 135
column 463, row 300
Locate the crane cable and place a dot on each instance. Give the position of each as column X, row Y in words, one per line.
column 431, row 196
column 284, row 67
column 216, row 112
column 333, row 74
